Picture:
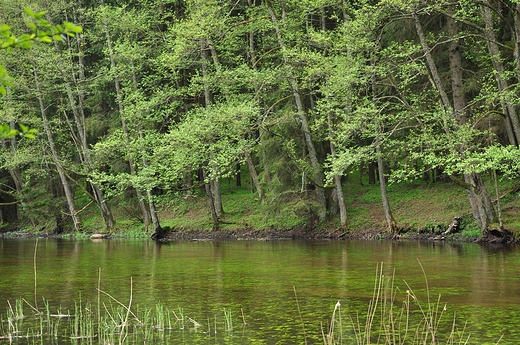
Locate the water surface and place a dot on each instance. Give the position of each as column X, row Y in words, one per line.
column 277, row 292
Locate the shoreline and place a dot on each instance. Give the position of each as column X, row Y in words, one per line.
column 299, row 233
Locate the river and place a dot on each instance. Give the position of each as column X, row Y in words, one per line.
column 253, row 292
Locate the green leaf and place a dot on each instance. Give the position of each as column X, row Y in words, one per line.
column 5, row 31
column 38, row 15
column 29, row 12
column 71, row 27
column 7, row 43
column 57, row 37
column 45, row 39
column 23, row 127
column 3, row 91
column 44, row 23
column 32, row 26
column 56, row 29
column 77, row 29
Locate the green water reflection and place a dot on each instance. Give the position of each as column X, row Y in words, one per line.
column 256, row 281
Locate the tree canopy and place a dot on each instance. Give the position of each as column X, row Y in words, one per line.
column 149, row 99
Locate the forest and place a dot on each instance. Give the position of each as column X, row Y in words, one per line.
column 153, row 101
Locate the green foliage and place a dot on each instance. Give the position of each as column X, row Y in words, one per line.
column 150, row 95
column 40, row 31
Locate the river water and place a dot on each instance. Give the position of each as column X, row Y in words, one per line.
column 254, row 292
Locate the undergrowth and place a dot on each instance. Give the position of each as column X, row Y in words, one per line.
column 415, row 205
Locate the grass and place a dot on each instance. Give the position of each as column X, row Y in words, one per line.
column 415, row 205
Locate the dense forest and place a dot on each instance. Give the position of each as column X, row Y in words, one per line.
column 161, row 99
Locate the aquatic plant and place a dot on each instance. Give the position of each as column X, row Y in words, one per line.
column 396, row 319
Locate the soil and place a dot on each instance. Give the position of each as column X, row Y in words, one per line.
column 302, row 233
column 298, row 233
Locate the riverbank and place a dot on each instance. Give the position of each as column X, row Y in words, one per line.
column 422, row 212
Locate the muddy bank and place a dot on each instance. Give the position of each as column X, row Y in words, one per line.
column 333, row 234
column 299, row 233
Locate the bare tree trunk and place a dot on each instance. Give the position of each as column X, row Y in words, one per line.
column 251, row 166
column 158, row 230
column 390, row 221
column 214, row 183
column 217, row 196
column 479, row 199
column 513, row 124
column 81, row 142
column 337, row 180
column 389, row 217
column 316, row 167
column 517, row 40
column 431, row 64
column 254, row 175
column 211, row 203
column 54, row 155
column 79, row 118
column 139, row 194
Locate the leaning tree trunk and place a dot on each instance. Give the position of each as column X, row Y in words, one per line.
column 254, row 175
column 479, row 198
column 119, row 98
column 391, row 224
column 54, row 155
column 81, row 142
column 316, row 167
column 512, row 122
column 480, row 201
column 79, row 118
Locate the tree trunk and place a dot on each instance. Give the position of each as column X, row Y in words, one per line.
column 337, row 179
column 157, row 229
column 431, row 64
column 251, row 166
column 119, row 98
column 54, row 155
column 316, row 167
column 513, row 124
column 480, row 201
column 79, row 118
column 81, row 143
column 216, row 192
column 211, row 202
column 214, row 183
column 390, row 221
column 481, row 204
column 254, row 175
column 517, row 41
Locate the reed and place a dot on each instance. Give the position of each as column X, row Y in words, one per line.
column 228, row 319
column 392, row 321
